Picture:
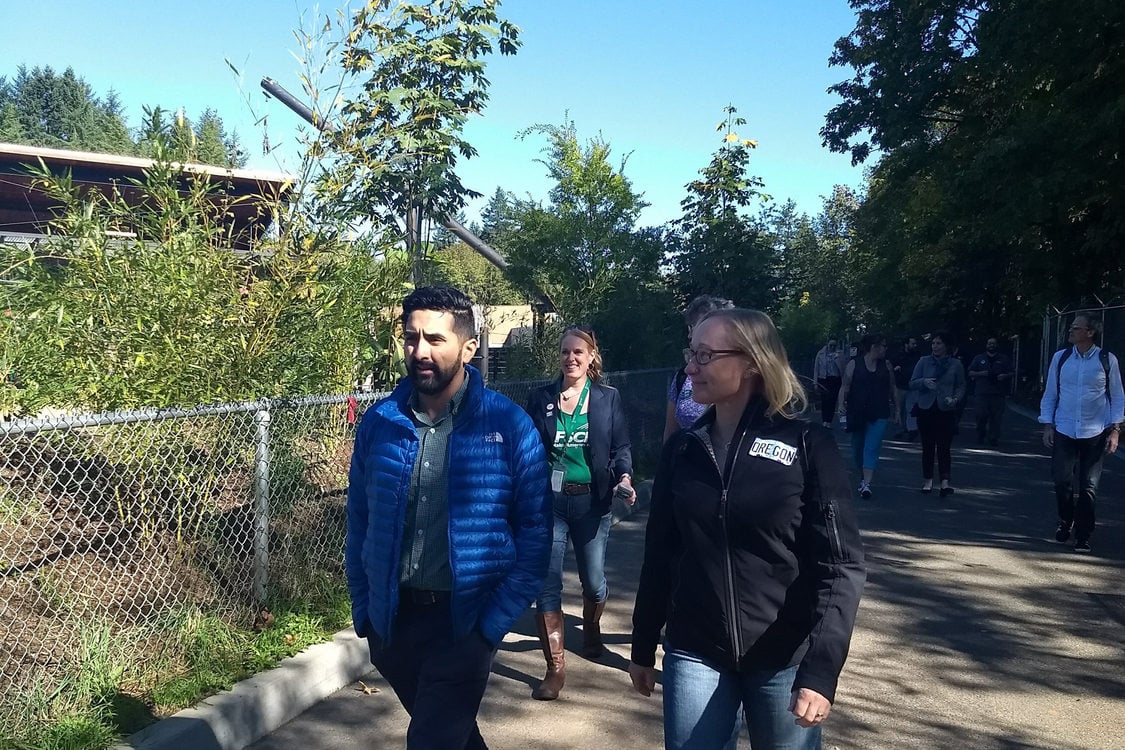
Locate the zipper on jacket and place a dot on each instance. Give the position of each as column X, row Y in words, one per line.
column 728, row 563
column 833, row 532
column 732, row 599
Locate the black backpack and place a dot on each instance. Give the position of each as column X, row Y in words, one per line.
column 1103, row 357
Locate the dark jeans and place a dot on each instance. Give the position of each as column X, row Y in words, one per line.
column 936, row 428
column 989, row 408
column 440, row 682
column 829, row 393
column 587, row 526
column 1087, row 454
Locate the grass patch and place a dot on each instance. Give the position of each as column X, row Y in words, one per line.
column 78, row 732
column 117, row 682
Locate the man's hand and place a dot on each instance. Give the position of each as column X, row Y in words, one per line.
column 810, row 707
column 1111, row 441
column 644, row 678
column 1049, row 436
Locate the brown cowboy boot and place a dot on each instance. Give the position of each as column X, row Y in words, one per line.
column 550, row 625
column 592, row 647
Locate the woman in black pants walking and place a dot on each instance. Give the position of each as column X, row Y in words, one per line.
column 939, row 381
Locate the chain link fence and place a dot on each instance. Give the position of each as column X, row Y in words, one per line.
column 1056, row 330
column 121, row 520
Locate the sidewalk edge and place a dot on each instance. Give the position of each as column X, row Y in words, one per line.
column 256, row 706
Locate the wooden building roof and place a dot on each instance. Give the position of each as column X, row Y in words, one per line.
column 26, row 209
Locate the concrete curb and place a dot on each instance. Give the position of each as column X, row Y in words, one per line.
column 257, row 706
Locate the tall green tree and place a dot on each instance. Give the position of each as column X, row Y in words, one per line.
column 62, row 111
column 997, row 124
column 580, row 244
column 205, row 141
column 717, row 247
column 420, row 69
column 583, row 250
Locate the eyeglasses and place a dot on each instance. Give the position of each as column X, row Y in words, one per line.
column 703, row 358
column 1079, row 328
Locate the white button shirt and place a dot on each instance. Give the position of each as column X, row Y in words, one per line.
column 1080, row 409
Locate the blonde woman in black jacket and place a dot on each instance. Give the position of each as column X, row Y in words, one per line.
column 582, row 425
column 753, row 560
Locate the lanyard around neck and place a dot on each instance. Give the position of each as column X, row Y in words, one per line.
column 577, row 412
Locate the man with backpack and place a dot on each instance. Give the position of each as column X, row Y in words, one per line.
column 1081, row 412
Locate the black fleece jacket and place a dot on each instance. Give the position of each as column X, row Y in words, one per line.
column 759, row 566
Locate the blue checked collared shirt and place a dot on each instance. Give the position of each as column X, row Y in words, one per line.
column 1081, row 410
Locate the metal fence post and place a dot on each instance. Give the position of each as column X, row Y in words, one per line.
column 261, row 506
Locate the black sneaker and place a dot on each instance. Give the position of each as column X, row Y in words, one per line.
column 1082, row 545
column 1062, row 533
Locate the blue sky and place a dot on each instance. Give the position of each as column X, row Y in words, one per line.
column 649, row 76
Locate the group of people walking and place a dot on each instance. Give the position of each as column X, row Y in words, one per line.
column 1082, row 410
column 461, row 506
column 924, row 396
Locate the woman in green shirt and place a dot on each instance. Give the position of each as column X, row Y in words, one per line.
column 582, row 424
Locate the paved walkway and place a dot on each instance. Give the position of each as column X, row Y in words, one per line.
column 976, row 630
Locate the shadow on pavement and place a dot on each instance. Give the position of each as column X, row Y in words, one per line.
column 977, row 630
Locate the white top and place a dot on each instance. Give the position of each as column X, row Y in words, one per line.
column 1082, row 410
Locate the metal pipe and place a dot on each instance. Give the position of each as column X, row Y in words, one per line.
column 276, row 90
column 261, row 507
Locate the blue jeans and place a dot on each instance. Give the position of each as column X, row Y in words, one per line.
column 588, row 528
column 701, row 702
column 865, row 443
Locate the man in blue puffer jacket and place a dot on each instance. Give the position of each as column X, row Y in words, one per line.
column 449, row 535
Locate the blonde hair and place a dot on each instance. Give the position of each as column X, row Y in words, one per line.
column 586, row 334
column 755, row 335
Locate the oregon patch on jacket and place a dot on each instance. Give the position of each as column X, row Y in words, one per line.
column 774, row 450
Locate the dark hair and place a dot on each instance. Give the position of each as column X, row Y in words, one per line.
column 869, row 340
column 586, row 333
column 443, row 299
column 704, row 305
column 946, row 338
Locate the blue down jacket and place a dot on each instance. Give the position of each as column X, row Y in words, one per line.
column 499, row 512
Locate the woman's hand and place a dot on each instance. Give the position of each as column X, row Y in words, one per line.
column 930, row 383
column 644, row 678
column 625, row 485
column 810, row 707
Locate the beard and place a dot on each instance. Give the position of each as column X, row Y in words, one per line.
column 429, row 378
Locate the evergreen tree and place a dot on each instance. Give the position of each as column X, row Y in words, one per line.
column 717, row 248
